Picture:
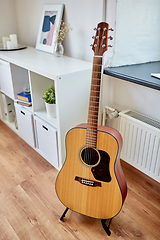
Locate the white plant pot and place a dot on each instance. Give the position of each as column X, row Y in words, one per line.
column 51, row 109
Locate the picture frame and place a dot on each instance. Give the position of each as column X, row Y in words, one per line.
column 50, row 19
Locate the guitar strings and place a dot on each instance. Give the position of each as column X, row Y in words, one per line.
column 90, row 155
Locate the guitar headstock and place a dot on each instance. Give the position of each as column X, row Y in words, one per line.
column 100, row 44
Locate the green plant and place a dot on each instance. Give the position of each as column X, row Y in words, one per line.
column 49, row 95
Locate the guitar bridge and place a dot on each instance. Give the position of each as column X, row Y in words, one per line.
column 88, row 182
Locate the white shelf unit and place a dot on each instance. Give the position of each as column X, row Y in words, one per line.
column 71, row 78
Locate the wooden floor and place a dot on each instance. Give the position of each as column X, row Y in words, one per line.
column 30, row 209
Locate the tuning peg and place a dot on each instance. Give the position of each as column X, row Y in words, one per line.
column 95, row 29
column 110, row 46
column 91, row 45
column 110, row 38
column 111, row 29
column 93, row 37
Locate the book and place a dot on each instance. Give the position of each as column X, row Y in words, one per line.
column 27, row 104
column 24, row 97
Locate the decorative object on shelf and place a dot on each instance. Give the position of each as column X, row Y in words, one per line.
column 50, row 101
column 24, row 97
column 51, row 17
column 26, row 89
column 58, row 49
column 13, row 40
column 64, row 29
column 20, row 47
column 24, row 103
column 5, row 40
column 10, row 43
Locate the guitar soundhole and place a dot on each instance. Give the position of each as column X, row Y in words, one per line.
column 90, row 156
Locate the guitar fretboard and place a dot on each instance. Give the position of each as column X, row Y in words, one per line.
column 91, row 135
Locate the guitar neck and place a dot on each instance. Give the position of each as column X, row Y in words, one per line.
column 91, row 135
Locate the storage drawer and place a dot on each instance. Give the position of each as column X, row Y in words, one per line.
column 8, row 108
column 47, row 141
column 6, row 79
column 25, row 124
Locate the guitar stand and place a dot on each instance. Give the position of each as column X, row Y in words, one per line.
column 103, row 221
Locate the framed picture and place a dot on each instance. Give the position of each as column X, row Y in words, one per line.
column 50, row 20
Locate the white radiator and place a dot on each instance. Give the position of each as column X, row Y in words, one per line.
column 141, row 142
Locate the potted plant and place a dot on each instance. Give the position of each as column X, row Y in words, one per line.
column 50, row 101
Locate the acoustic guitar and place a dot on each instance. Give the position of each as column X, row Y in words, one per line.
column 91, row 181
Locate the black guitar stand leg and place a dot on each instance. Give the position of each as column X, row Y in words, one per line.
column 106, row 228
column 103, row 221
column 63, row 215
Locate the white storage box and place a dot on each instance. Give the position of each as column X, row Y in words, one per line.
column 6, row 79
column 25, row 124
column 8, row 107
column 47, row 141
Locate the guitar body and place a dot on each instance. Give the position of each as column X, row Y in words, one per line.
column 96, row 189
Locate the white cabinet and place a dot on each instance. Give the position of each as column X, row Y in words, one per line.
column 71, row 78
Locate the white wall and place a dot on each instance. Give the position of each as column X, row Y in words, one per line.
column 137, row 31
column 136, row 24
column 8, row 23
column 82, row 15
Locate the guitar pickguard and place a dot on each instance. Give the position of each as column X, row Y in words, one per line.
column 101, row 171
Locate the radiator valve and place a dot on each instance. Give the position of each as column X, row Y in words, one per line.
column 113, row 114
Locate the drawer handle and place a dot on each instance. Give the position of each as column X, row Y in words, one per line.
column 22, row 112
column 45, row 127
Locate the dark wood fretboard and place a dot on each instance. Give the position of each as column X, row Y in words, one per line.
column 91, row 135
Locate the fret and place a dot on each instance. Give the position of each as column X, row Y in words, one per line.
column 92, row 116
column 94, row 98
column 93, row 123
column 93, row 107
column 96, row 82
column 94, row 91
column 93, row 136
column 93, row 130
column 94, row 94
column 91, row 140
column 95, row 85
column 93, row 102
column 92, row 112
column 96, row 75
column 93, row 78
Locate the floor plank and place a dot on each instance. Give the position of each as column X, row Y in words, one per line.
column 30, row 208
